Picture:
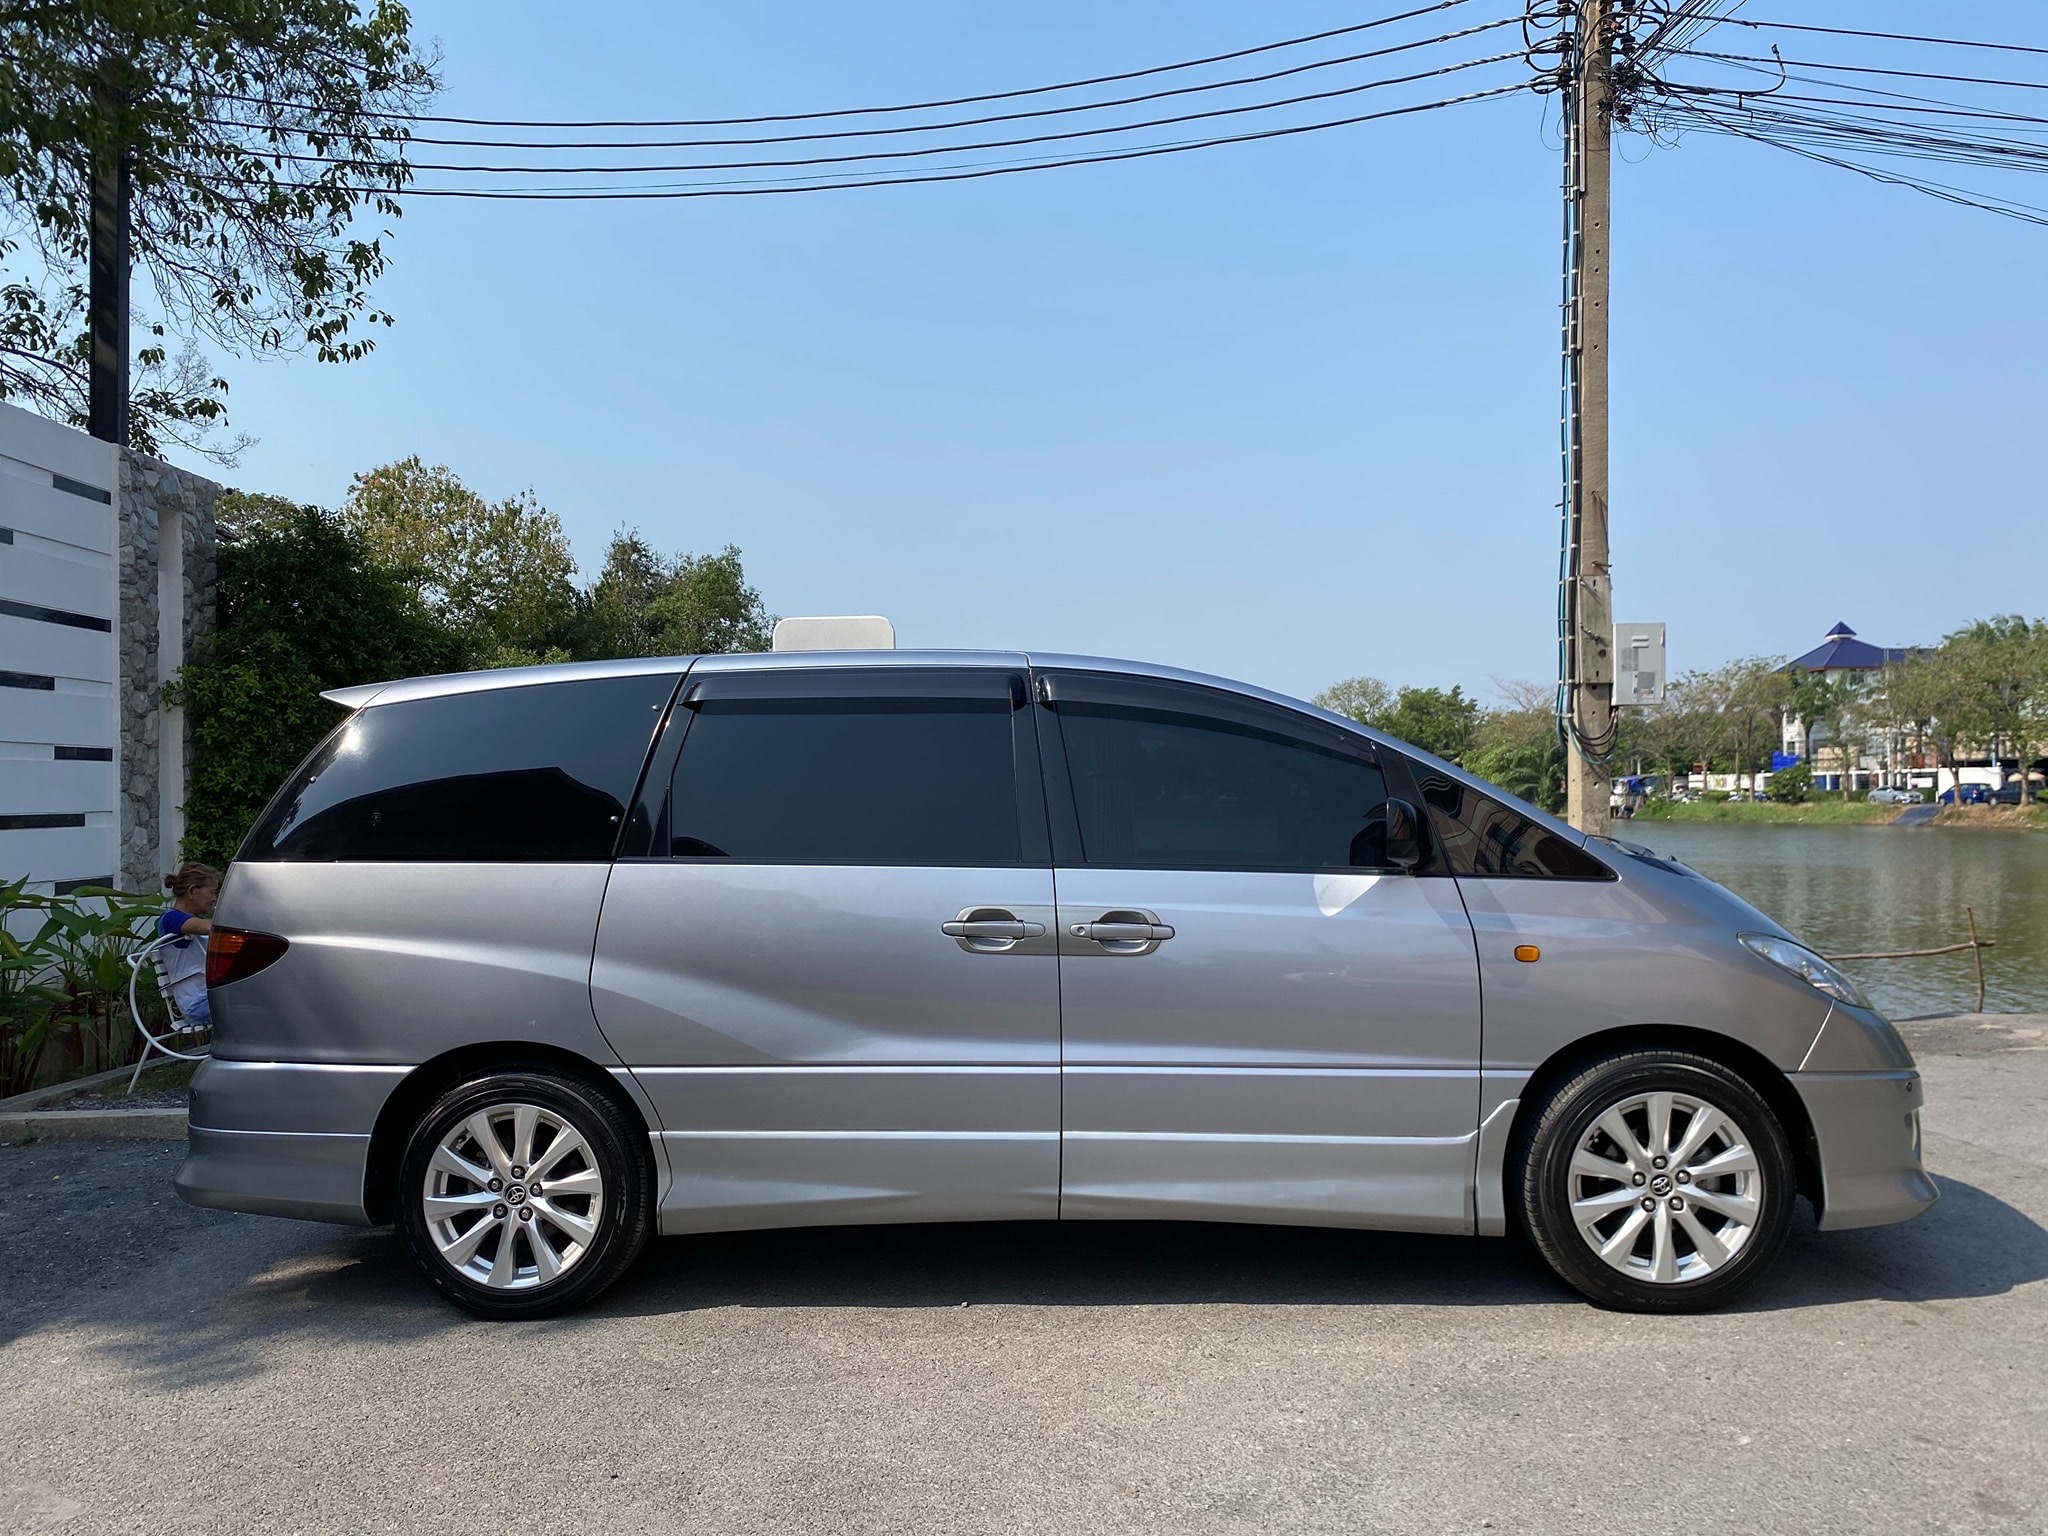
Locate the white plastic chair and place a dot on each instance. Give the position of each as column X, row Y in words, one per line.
column 180, row 1029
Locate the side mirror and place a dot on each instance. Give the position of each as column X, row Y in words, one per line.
column 1404, row 834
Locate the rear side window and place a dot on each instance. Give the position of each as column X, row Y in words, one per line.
column 527, row 774
column 1484, row 837
column 1163, row 789
column 850, row 778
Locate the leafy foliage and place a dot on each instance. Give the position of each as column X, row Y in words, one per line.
column 303, row 607
column 64, row 980
column 647, row 604
column 500, row 574
column 1791, row 786
column 257, row 132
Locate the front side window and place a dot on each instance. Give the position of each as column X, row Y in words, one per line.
column 1160, row 788
column 1481, row 836
column 913, row 779
column 540, row 774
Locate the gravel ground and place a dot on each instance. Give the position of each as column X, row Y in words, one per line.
column 164, row 1369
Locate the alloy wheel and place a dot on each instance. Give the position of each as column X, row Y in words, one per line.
column 1665, row 1187
column 513, row 1196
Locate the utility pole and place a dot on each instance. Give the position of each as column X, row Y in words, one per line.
column 1588, row 587
column 107, row 274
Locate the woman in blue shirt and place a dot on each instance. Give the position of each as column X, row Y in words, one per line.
column 193, row 888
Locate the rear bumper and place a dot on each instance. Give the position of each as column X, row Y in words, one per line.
column 283, row 1138
column 1867, row 1127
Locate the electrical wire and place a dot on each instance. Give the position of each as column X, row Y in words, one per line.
column 1862, row 69
column 1896, row 37
column 623, row 194
column 970, row 122
column 908, row 154
column 915, row 106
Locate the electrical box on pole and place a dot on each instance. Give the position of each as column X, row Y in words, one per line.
column 1638, row 664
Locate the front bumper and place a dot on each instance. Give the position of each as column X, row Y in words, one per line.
column 283, row 1138
column 1866, row 1126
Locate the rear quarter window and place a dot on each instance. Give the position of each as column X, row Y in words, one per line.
column 1483, row 837
column 533, row 774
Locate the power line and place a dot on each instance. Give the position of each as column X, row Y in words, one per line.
column 1896, row 37
column 1142, row 152
column 970, row 122
column 1862, row 69
column 921, row 152
column 915, row 106
column 917, row 128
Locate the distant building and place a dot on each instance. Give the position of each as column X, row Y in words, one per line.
column 1840, row 656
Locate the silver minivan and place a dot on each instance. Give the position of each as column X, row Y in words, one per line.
column 534, row 963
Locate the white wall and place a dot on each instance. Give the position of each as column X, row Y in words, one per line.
column 59, row 614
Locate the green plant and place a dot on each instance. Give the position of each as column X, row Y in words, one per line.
column 66, row 982
column 1790, row 786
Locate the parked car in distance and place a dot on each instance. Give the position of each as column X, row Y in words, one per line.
column 2008, row 793
column 535, row 963
column 1885, row 796
column 1964, row 794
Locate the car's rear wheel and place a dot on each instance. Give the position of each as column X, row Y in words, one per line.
column 523, row 1194
column 1657, row 1181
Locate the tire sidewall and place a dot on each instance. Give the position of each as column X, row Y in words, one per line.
column 1567, row 1117
column 622, row 1220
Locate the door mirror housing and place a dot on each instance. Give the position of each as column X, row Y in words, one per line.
column 1404, row 834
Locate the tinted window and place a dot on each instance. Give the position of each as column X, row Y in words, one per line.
column 1165, row 789
column 848, row 780
column 539, row 773
column 1484, row 837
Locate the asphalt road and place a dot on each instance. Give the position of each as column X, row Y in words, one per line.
column 170, row 1370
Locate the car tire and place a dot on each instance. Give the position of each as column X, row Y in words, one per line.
column 1699, row 1198
column 539, row 1218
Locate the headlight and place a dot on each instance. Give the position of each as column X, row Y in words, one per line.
column 1807, row 966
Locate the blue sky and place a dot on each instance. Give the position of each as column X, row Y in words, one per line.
column 1284, row 411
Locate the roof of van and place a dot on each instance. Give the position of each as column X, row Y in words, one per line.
column 778, row 661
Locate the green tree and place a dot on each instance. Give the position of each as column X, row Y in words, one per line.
column 303, row 607
column 258, row 133
column 1790, row 786
column 644, row 603
column 1823, row 706
column 1999, row 671
column 501, row 573
column 1433, row 719
column 1364, row 699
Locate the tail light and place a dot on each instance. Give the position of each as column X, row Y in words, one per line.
column 232, row 953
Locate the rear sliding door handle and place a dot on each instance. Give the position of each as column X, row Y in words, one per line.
column 1124, row 931
column 990, row 930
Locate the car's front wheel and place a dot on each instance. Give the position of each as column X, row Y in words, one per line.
column 523, row 1193
column 1657, row 1181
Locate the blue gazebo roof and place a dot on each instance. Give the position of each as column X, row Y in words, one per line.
column 1841, row 651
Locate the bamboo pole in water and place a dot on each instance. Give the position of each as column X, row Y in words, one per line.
column 1977, row 950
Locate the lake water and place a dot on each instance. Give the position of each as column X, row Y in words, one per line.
column 1850, row 890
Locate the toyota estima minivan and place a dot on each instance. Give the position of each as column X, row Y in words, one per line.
column 534, row 963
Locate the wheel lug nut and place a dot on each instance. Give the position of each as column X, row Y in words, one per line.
column 498, row 1211
column 495, row 1185
column 518, row 1170
column 1655, row 1162
column 1684, row 1177
column 1677, row 1204
column 526, row 1212
column 1649, row 1204
column 533, row 1189
column 1640, row 1180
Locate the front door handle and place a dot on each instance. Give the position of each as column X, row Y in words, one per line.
column 989, row 930
column 1124, row 931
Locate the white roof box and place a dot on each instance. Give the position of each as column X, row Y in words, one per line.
column 835, row 632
